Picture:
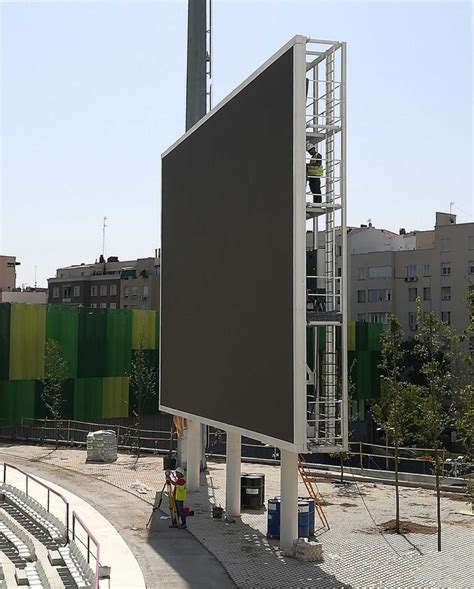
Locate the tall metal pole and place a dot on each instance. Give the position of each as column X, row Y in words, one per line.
column 196, row 97
column 196, row 72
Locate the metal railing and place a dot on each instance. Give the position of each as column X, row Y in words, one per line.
column 87, row 545
column 49, row 490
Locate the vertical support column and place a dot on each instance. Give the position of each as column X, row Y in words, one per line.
column 194, row 455
column 232, row 474
column 289, row 499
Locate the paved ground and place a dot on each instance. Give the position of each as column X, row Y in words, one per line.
column 167, row 558
column 355, row 553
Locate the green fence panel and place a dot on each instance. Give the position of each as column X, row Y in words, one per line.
column 4, row 340
column 27, row 341
column 374, row 336
column 351, row 335
column 62, row 326
column 362, row 338
column 119, row 342
column 67, row 400
column 115, row 397
column 143, row 329
column 375, row 360
column 364, row 380
column 157, row 330
column 150, row 402
column 88, row 399
column 17, row 398
column 92, row 342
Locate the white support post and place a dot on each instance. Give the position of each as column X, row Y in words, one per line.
column 194, row 455
column 232, row 474
column 289, row 499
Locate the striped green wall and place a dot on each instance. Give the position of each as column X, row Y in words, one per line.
column 98, row 346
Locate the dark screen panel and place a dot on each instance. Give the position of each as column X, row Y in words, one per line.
column 227, row 265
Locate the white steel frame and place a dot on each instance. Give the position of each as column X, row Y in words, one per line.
column 325, row 116
column 302, row 441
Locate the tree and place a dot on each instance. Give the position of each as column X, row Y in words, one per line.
column 143, row 383
column 55, row 374
column 432, row 348
column 397, row 410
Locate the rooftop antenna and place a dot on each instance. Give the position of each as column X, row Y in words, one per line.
column 451, row 205
column 36, row 267
column 104, row 227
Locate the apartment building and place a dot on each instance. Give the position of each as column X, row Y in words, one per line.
column 8, row 266
column 389, row 271
column 110, row 283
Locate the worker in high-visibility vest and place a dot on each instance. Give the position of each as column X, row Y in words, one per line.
column 180, row 494
column 314, row 171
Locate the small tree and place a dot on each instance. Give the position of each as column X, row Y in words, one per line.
column 397, row 409
column 55, row 374
column 433, row 341
column 143, row 383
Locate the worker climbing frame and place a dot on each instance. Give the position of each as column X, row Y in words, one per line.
column 326, row 249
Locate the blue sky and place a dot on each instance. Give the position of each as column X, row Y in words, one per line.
column 93, row 93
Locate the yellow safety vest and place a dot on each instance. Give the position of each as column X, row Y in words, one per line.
column 312, row 169
column 181, row 492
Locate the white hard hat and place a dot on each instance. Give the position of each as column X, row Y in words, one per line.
column 310, row 146
column 179, row 471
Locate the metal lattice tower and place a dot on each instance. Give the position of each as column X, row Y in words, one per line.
column 327, row 379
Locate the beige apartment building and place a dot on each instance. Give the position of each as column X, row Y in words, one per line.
column 388, row 271
column 108, row 284
column 8, row 266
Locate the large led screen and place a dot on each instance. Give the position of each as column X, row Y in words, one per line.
column 227, row 301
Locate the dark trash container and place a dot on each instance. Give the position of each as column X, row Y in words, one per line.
column 252, row 490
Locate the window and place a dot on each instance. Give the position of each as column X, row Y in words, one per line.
column 471, row 267
column 113, row 305
column 377, row 295
column 145, row 292
column 339, row 250
column 103, row 290
column 426, row 269
column 411, row 271
column 134, row 291
column 378, row 318
column 445, row 245
column 56, row 292
column 446, row 269
column 76, row 291
column 93, row 291
column 446, row 317
column 445, row 293
column 361, row 316
column 67, row 292
column 113, row 291
column 427, row 293
column 361, row 274
column 125, row 291
column 361, row 296
column 380, row 272
column 470, row 242
column 93, row 305
column 103, row 305
column 412, row 321
column 412, row 294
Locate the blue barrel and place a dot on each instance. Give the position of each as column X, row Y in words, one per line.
column 273, row 518
column 311, row 514
column 303, row 519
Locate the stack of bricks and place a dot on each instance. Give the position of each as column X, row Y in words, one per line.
column 305, row 551
column 101, row 446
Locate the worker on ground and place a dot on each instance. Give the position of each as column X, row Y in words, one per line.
column 314, row 171
column 180, row 496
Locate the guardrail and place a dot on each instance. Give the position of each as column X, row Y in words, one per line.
column 87, row 545
column 28, row 478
